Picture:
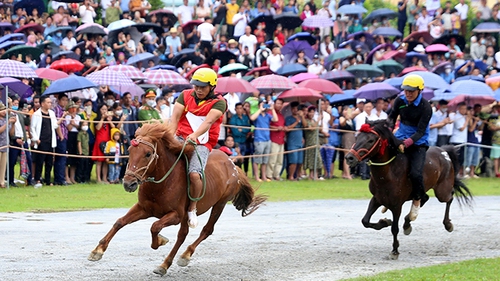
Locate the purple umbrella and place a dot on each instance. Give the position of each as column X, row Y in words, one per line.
column 293, row 47
column 437, row 48
column 16, row 86
column 441, row 67
column 369, row 58
column 376, row 90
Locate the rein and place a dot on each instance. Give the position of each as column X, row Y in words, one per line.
column 368, row 151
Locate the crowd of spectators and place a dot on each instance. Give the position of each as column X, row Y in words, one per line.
column 100, row 123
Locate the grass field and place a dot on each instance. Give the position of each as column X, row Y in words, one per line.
column 94, row 196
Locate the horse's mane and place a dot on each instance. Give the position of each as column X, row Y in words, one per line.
column 384, row 129
column 163, row 133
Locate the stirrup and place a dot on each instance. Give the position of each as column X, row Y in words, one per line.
column 414, row 212
column 192, row 219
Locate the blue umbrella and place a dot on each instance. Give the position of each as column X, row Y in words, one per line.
column 293, row 48
column 396, row 82
column 12, row 36
column 431, row 80
column 477, row 63
column 351, row 9
column 164, row 66
column 358, row 34
column 291, row 69
column 70, row 84
column 471, row 88
column 7, row 44
column 379, row 14
column 68, row 54
column 471, row 77
column 412, row 54
column 487, row 27
column 29, row 5
column 120, row 24
column 365, row 70
column 376, row 90
column 62, row 29
column 347, row 98
column 387, row 31
column 497, row 94
column 144, row 57
column 443, row 95
column 303, row 36
column 232, row 67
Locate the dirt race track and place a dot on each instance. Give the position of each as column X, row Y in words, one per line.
column 307, row 240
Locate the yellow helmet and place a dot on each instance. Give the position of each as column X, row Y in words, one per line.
column 413, row 82
column 204, row 77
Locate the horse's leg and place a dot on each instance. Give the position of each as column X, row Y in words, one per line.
column 372, row 207
column 407, row 225
column 396, row 213
column 208, row 229
column 447, row 222
column 134, row 214
column 171, row 218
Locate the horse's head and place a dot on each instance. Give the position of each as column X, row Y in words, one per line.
column 373, row 139
column 143, row 158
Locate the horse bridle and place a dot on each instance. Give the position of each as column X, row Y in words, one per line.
column 135, row 174
column 367, row 151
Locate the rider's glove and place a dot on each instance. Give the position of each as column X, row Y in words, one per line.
column 408, row 142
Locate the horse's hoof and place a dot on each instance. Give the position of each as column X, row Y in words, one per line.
column 95, row 256
column 160, row 271
column 407, row 231
column 449, row 227
column 387, row 221
column 162, row 240
column 183, row 262
column 393, row 256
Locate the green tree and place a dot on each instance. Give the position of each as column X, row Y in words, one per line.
column 156, row 4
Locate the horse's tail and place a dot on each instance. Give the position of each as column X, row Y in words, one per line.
column 245, row 200
column 461, row 191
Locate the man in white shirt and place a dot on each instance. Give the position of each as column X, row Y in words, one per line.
column 423, row 20
column 315, row 67
column 69, row 41
column 459, row 135
column 247, row 40
column 87, row 13
column 378, row 112
column 444, row 132
column 326, row 47
column 275, row 60
column 185, row 13
column 232, row 99
column 360, row 119
column 240, row 21
column 462, row 9
column 206, row 33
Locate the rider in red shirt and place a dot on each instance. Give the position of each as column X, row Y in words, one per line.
column 197, row 117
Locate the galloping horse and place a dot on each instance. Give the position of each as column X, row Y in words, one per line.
column 390, row 184
column 158, row 164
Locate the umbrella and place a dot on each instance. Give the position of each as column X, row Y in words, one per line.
column 12, row 68
column 109, row 77
column 147, row 26
column 416, row 35
column 471, row 88
column 234, row 85
column 293, row 47
column 62, row 29
column 120, row 24
column 16, row 86
column 441, row 67
column 23, row 50
column 379, row 14
column 317, row 22
column 135, row 90
column 164, row 12
column 431, row 80
column 197, row 60
column 67, row 54
column 387, row 31
column 85, row 25
column 13, row 36
column 340, row 55
column 411, row 55
column 69, row 84
column 365, row 70
column 7, row 44
column 427, row 93
column 300, row 94
column 67, row 65
column 232, row 67
column 347, row 98
column 29, row 5
column 396, row 82
column 248, row 78
column 357, row 35
column 471, row 100
column 377, row 90
column 303, row 77
column 223, row 56
column 181, row 54
column 471, row 77
column 303, row 36
column 193, row 70
column 129, row 71
column 163, row 66
column 288, row 20
column 30, row 26
column 351, row 10
column 6, row 26
column 445, row 39
column 267, row 20
column 443, row 94
column 321, row 85
column 497, row 95
column 50, row 74
column 260, row 70
column 165, row 77
column 369, row 58
column 398, row 55
column 95, row 30
column 142, row 57
column 291, row 69
column 437, row 48
column 188, row 26
column 337, row 75
column 51, row 45
column 487, row 27
column 273, row 83
column 389, row 66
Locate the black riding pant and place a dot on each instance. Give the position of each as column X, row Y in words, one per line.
column 416, row 156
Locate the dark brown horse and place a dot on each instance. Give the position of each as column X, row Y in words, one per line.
column 390, row 183
column 163, row 191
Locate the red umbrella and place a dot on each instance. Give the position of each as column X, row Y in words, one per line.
column 411, row 69
column 67, row 65
column 234, row 85
column 437, row 48
column 273, row 83
column 260, row 69
column 30, row 26
column 394, row 54
column 321, row 85
column 188, row 26
column 50, row 74
column 303, row 77
column 300, row 94
column 427, row 37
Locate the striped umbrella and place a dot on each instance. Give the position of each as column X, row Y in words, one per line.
column 165, row 77
column 109, row 77
column 129, row 71
column 317, row 21
column 12, row 68
column 273, row 83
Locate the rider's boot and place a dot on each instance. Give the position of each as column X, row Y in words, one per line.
column 195, row 192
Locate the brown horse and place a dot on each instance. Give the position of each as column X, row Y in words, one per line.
column 158, row 165
column 390, row 184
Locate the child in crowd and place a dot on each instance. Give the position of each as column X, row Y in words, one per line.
column 82, row 141
column 235, row 151
column 114, row 149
